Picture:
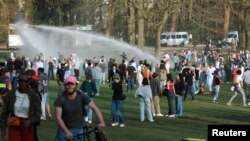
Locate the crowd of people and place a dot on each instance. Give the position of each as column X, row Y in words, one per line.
column 24, row 85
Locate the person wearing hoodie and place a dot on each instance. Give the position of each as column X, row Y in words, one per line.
column 144, row 93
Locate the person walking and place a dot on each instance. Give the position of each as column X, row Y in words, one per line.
column 238, row 88
column 23, row 106
column 246, row 80
column 144, row 93
column 88, row 87
column 69, row 111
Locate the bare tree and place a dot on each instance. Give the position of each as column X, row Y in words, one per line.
column 226, row 7
column 140, row 23
column 109, row 18
column 131, row 21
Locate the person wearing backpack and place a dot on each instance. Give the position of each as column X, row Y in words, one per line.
column 88, row 87
column 69, row 111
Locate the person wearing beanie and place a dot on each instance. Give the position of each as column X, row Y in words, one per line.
column 117, row 101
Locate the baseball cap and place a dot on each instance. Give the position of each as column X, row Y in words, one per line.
column 70, row 79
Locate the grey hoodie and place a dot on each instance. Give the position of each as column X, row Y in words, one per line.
column 144, row 91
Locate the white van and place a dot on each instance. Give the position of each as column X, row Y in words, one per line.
column 14, row 39
column 174, row 39
column 231, row 38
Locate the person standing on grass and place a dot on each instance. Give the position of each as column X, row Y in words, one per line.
column 130, row 77
column 156, row 92
column 179, row 90
column 69, row 112
column 209, row 79
column 144, row 93
column 43, row 90
column 117, row 101
column 189, row 83
column 88, row 87
column 246, row 80
column 216, row 85
column 169, row 91
column 24, row 104
column 163, row 75
column 238, row 88
column 60, row 77
column 96, row 73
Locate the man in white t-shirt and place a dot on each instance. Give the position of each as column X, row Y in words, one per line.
column 210, row 71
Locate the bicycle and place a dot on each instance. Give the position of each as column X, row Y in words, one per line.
column 99, row 134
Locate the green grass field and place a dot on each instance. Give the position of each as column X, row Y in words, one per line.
column 197, row 116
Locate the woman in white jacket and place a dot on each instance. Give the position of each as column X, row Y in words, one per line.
column 145, row 95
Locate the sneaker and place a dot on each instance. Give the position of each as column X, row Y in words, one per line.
column 50, row 116
column 151, row 120
column 89, row 122
column 154, row 115
column 166, row 115
column 249, row 104
column 172, row 116
column 228, row 104
column 244, row 105
column 160, row 115
column 97, row 94
column 43, row 118
column 114, row 124
column 122, row 125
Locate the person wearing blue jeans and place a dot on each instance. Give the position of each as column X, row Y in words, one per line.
column 69, row 112
column 144, row 92
column 130, row 76
column 216, row 84
column 179, row 89
column 130, row 84
column 117, row 106
column 117, row 101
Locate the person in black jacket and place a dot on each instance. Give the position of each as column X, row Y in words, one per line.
column 179, row 90
column 117, row 101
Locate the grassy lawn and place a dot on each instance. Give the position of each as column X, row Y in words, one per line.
column 197, row 116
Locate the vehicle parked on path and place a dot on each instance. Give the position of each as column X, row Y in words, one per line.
column 174, row 39
column 14, row 38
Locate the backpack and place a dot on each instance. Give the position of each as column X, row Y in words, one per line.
column 84, row 88
column 5, row 85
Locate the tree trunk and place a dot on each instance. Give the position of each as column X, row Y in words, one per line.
column 247, row 27
column 140, row 24
column 131, row 22
column 5, row 9
column 226, row 17
column 174, row 18
column 158, row 33
column 109, row 19
column 190, row 10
